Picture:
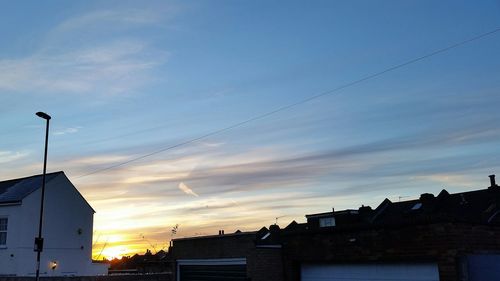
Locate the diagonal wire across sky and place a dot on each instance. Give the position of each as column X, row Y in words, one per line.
column 297, row 103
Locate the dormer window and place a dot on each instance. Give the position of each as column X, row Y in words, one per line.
column 327, row 222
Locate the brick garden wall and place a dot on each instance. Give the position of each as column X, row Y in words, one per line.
column 443, row 244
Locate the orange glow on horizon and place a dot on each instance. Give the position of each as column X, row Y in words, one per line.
column 113, row 252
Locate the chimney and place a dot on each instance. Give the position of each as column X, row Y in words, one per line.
column 222, row 232
column 426, row 197
column 274, row 228
column 364, row 209
column 492, row 181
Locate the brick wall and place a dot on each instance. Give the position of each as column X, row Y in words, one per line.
column 266, row 264
column 214, row 247
column 263, row 264
column 443, row 244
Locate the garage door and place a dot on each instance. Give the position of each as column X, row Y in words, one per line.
column 213, row 273
column 482, row 267
column 233, row 269
column 370, row 272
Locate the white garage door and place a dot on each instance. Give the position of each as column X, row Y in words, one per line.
column 370, row 272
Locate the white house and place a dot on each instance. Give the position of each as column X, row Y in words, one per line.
column 67, row 228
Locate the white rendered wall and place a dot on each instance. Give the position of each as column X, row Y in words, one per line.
column 8, row 265
column 67, row 233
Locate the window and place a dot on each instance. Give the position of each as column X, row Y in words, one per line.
column 326, row 222
column 3, row 232
column 265, row 236
column 417, row 206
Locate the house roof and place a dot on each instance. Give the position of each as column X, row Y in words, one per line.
column 15, row 190
column 478, row 207
column 235, row 234
column 320, row 215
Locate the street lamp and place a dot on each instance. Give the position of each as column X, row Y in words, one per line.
column 39, row 239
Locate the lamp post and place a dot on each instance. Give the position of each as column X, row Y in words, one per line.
column 39, row 239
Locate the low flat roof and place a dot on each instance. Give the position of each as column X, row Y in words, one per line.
column 216, row 236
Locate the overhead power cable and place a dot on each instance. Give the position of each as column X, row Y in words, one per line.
column 285, row 107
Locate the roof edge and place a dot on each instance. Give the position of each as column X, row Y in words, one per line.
column 78, row 192
column 32, row 176
column 46, row 181
column 216, row 236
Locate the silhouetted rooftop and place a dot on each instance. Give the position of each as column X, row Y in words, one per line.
column 477, row 207
column 240, row 233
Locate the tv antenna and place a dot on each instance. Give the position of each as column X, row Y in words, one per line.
column 401, row 197
column 277, row 218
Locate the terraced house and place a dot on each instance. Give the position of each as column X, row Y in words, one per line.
column 445, row 237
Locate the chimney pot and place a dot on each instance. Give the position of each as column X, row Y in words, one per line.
column 492, row 180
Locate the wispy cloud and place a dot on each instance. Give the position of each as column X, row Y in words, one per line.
column 347, row 176
column 448, row 179
column 212, row 144
column 10, row 156
column 95, row 59
column 117, row 17
column 186, row 189
column 218, row 172
column 95, row 160
column 70, row 130
column 111, row 68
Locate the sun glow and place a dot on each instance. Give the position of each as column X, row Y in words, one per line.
column 115, row 252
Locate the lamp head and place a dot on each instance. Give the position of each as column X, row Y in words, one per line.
column 43, row 115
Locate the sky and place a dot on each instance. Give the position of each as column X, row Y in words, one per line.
column 124, row 79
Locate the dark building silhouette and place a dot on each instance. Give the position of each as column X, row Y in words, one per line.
column 444, row 237
column 148, row 263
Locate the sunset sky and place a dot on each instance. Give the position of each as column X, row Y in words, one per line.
column 123, row 79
